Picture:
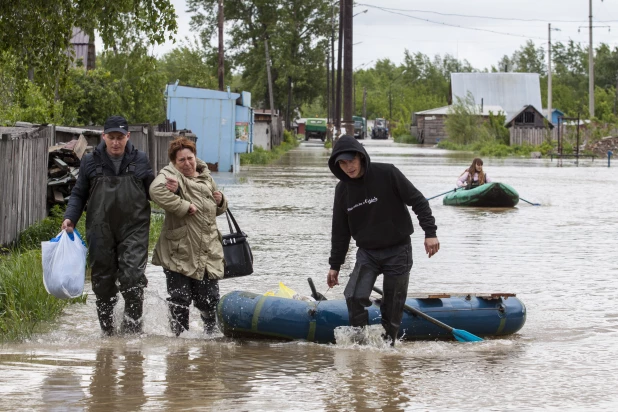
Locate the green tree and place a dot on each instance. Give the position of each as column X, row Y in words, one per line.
column 464, row 125
column 126, row 82
column 37, row 32
column 297, row 32
column 192, row 65
column 89, row 97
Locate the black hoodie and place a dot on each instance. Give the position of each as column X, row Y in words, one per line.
column 372, row 208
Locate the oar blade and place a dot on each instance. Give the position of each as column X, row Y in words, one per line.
column 465, row 336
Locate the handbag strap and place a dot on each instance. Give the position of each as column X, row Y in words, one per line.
column 229, row 215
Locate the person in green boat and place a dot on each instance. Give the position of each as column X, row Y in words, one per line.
column 474, row 176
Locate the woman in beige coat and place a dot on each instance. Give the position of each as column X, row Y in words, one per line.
column 189, row 248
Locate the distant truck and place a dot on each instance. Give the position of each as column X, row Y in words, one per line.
column 315, row 128
column 379, row 131
column 360, row 127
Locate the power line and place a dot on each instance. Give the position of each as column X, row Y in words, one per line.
column 482, row 17
column 455, row 25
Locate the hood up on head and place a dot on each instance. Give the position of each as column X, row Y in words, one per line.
column 347, row 143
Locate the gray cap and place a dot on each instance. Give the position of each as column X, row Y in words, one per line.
column 345, row 156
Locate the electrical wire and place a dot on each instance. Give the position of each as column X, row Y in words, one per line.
column 482, row 17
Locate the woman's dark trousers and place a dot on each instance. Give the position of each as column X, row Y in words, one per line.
column 183, row 290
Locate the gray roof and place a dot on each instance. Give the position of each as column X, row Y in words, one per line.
column 511, row 91
column 445, row 110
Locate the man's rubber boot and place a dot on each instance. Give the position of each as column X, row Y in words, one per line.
column 105, row 311
column 133, row 311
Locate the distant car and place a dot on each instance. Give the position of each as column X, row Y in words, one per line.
column 316, row 129
column 379, row 131
column 360, row 127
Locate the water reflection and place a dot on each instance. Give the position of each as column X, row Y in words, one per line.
column 117, row 380
column 61, row 390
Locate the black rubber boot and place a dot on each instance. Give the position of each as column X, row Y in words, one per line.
column 210, row 321
column 105, row 311
column 393, row 301
column 179, row 318
column 133, row 310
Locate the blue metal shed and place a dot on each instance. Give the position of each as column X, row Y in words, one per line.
column 222, row 122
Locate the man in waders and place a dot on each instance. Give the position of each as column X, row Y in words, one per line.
column 371, row 202
column 113, row 182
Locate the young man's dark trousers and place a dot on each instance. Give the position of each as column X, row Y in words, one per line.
column 395, row 263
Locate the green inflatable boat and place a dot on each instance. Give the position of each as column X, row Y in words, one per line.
column 488, row 195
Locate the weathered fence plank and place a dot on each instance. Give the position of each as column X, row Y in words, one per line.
column 535, row 137
column 23, row 179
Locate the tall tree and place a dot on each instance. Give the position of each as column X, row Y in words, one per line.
column 192, row 65
column 297, row 32
column 37, row 32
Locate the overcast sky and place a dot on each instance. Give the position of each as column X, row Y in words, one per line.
column 386, row 34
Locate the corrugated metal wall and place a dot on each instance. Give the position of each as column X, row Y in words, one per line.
column 211, row 115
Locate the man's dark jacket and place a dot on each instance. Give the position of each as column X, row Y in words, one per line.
column 373, row 208
column 87, row 171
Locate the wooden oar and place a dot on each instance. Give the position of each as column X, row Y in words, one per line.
column 533, row 204
column 442, row 194
column 459, row 334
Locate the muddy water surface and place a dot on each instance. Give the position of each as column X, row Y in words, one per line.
column 560, row 260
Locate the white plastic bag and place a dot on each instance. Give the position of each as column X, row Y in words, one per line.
column 64, row 265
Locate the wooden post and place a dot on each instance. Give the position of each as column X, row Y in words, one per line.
column 339, row 56
column 348, row 62
column 221, row 70
column 274, row 125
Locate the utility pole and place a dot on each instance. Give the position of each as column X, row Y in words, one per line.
column 221, row 70
column 288, row 124
column 365, row 105
column 590, row 66
column 549, row 114
column 339, row 56
column 273, row 122
column 616, row 95
column 354, row 94
column 332, row 67
column 348, row 61
column 328, row 118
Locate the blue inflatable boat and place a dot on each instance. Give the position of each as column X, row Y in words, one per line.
column 249, row 315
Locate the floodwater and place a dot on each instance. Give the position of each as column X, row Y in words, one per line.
column 559, row 258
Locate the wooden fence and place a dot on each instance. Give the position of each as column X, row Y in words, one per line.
column 535, row 137
column 23, row 178
column 144, row 137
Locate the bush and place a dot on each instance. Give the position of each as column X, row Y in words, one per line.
column 464, row 125
column 44, row 230
column 405, row 138
column 401, row 130
column 261, row 156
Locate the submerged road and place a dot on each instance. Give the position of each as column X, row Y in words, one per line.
column 559, row 259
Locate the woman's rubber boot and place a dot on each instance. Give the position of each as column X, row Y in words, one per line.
column 105, row 312
column 210, row 321
column 179, row 318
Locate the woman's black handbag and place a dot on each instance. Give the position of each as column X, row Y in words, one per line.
column 236, row 251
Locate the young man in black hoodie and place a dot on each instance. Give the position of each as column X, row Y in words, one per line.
column 371, row 202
